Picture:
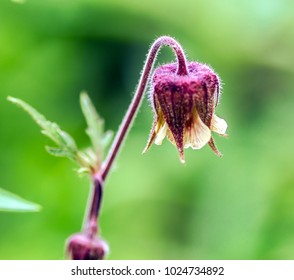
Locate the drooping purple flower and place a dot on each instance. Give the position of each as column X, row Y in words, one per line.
column 184, row 107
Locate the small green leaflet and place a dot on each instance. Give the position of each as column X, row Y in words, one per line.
column 13, row 203
column 63, row 140
column 95, row 123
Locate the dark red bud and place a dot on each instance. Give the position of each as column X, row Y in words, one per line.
column 83, row 247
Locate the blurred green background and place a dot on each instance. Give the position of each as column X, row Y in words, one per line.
column 237, row 207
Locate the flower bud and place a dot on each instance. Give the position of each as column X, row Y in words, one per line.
column 83, row 247
column 184, row 107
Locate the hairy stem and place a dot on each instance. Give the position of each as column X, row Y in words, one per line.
column 90, row 225
column 135, row 104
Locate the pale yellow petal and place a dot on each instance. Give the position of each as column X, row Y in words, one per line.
column 158, row 128
column 197, row 135
column 170, row 137
column 218, row 125
column 161, row 134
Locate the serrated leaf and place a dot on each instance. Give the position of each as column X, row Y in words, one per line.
column 59, row 152
column 14, row 203
column 107, row 137
column 63, row 140
column 95, row 123
column 89, row 159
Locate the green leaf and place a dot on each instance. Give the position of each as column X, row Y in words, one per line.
column 95, row 130
column 13, row 203
column 91, row 158
column 63, row 140
column 19, row 1
column 58, row 152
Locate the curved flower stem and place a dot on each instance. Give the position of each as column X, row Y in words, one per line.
column 135, row 104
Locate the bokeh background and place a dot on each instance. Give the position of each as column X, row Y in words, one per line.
column 237, row 207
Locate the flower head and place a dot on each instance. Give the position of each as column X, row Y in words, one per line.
column 184, row 107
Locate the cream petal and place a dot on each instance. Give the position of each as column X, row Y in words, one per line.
column 157, row 127
column 170, row 137
column 161, row 134
column 198, row 135
column 218, row 125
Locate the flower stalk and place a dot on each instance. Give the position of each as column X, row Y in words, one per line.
column 92, row 214
column 87, row 245
column 135, row 104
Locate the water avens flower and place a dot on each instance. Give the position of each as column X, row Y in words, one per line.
column 183, row 95
column 184, row 105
